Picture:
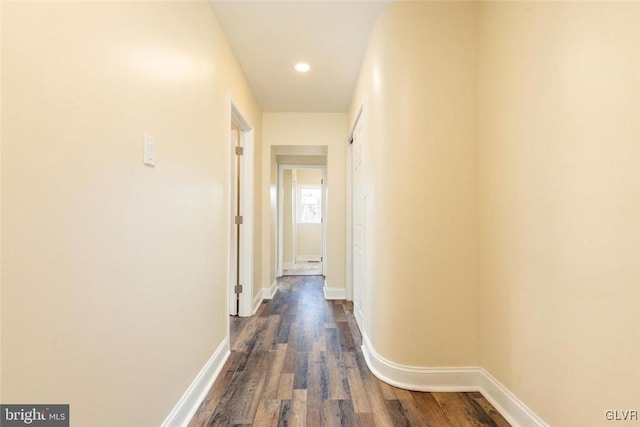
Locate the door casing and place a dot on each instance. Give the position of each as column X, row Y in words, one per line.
column 356, row 287
column 281, row 169
column 246, row 131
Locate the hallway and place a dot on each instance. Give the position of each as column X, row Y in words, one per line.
column 479, row 209
column 298, row 362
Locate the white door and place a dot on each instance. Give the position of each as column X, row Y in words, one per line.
column 358, row 222
column 241, row 208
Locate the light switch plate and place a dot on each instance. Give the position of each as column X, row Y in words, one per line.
column 149, row 150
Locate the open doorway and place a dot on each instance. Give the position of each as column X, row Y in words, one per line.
column 301, row 218
column 240, row 214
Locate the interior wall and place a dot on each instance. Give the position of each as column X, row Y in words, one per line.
column 1, row 173
column 555, row 90
column 116, row 270
column 309, row 242
column 559, row 212
column 419, row 84
column 308, row 129
column 302, row 160
column 309, row 176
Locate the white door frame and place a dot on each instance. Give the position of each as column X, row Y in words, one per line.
column 324, row 221
column 363, row 312
column 294, row 218
column 281, row 169
column 349, row 218
column 246, row 209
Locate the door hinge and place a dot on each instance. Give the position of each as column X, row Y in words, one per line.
column 238, row 289
column 238, row 220
column 322, row 181
column 239, row 151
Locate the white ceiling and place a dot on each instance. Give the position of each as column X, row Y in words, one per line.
column 269, row 37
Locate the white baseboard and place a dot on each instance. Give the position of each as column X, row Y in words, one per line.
column 265, row 293
column 288, row 266
column 197, row 391
column 334, row 293
column 307, row 258
column 505, row 402
column 451, row 379
column 270, row 292
column 419, row 378
column 257, row 300
column 357, row 313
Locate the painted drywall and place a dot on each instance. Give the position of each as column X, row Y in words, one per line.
column 309, row 242
column 1, row 173
column 309, row 176
column 418, row 81
column 114, row 273
column 1, row 226
column 537, row 103
column 307, row 129
column 559, row 212
column 287, row 218
column 302, row 160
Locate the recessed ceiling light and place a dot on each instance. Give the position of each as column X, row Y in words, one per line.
column 302, row 67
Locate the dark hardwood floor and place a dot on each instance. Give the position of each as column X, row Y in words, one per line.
column 298, row 362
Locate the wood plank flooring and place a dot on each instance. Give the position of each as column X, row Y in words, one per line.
column 298, row 362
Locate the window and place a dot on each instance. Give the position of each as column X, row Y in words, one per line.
column 309, row 204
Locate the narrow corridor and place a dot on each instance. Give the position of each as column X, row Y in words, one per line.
column 298, row 362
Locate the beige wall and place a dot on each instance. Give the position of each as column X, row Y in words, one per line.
column 309, row 241
column 1, row 173
column 302, row 160
column 114, row 273
column 309, row 129
column 419, row 80
column 549, row 302
column 309, row 176
column 560, row 205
